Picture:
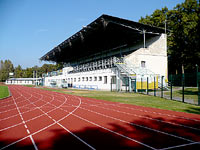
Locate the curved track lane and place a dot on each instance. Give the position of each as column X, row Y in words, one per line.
column 36, row 119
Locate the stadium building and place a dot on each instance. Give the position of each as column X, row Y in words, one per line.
column 24, row 81
column 110, row 54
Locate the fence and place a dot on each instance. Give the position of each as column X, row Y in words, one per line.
column 181, row 87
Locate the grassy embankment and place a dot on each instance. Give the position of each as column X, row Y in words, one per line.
column 3, row 91
column 133, row 98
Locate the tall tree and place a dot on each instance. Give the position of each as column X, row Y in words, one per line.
column 183, row 40
column 18, row 72
column 5, row 69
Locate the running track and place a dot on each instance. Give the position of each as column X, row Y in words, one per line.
column 36, row 119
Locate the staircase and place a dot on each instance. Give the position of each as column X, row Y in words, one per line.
column 125, row 69
column 130, row 70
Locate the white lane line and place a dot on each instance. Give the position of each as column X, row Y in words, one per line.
column 76, row 136
column 21, row 116
column 109, row 129
column 12, row 104
column 69, row 113
column 19, row 107
column 143, row 110
column 56, row 122
column 114, row 132
column 35, row 146
column 28, row 131
column 37, row 131
column 149, row 118
column 141, row 126
column 29, row 119
column 33, row 117
column 179, row 146
column 15, row 142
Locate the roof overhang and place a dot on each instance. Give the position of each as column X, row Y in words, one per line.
column 103, row 34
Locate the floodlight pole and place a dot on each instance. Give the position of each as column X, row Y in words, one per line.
column 165, row 26
column 36, row 78
column 144, row 38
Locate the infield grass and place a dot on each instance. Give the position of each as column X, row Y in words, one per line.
column 3, row 91
column 132, row 98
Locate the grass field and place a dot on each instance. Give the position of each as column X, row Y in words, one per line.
column 189, row 93
column 133, row 98
column 3, row 91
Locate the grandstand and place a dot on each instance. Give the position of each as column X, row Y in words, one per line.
column 110, row 54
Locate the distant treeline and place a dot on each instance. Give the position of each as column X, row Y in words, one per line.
column 7, row 67
column 183, row 27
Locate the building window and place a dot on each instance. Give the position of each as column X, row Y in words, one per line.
column 100, row 78
column 95, row 78
column 74, row 79
column 90, row 78
column 86, row 78
column 105, row 79
column 79, row 79
column 143, row 64
column 83, row 78
column 113, row 80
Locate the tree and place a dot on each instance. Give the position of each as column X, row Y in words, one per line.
column 183, row 40
column 5, row 68
column 18, row 72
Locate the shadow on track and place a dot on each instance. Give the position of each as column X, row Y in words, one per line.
column 102, row 139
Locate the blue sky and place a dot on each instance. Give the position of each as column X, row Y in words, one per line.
column 31, row 28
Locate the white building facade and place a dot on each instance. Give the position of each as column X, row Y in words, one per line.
column 24, row 81
column 116, row 54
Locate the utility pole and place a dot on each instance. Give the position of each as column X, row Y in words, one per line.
column 144, row 38
column 36, row 78
column 165, row 26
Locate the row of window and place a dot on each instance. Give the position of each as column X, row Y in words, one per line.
column 99, row 78
column 20, row 81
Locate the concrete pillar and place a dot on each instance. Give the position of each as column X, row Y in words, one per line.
column 129, row 80
column 118, row 82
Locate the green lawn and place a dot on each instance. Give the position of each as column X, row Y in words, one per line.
column 3, row 91
column 133, row 98
column 189, row 93
column 29, row 85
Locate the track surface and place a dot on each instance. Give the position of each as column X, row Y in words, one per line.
column 36, row 119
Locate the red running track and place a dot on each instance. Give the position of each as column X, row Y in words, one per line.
column 36, row 119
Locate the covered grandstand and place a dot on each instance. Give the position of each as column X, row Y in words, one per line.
column 110, row 53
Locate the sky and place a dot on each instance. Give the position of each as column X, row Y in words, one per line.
column 31, row 28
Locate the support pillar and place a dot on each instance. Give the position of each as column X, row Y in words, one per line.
column 129, row 79
column 118, row 83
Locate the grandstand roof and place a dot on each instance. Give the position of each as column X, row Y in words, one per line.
column 103, row 34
